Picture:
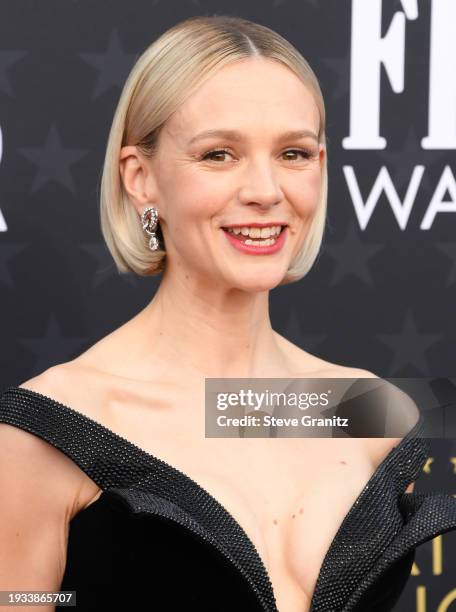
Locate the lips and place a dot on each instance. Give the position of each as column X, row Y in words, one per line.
column 254, row 247
column 243, row 238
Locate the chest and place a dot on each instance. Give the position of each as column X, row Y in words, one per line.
column 289, row 495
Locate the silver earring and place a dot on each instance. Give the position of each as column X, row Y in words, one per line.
column 149, row 220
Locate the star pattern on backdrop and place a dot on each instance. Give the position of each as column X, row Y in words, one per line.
column 293, row 329
column 8, row 252
column 409, row 346
column 351, row 256
column 112, row 66
column 52, row 343
column 53, row 161
column 340, row 68
column 8, row 59
column 104, row 268
column 449, row 249
column 105, row 61
column 404, row 160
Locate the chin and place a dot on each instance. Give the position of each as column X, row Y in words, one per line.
column 259, row 282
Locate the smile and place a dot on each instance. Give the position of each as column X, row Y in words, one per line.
column 257, row 240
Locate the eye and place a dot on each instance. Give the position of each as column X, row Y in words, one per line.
column 210, row 154
column 214, row 152
column 306, row 154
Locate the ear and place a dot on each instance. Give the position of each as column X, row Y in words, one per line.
column 322, row 154
column 137, row 178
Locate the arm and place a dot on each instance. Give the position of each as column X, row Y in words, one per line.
column 37, row 491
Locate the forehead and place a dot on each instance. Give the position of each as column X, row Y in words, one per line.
column 256, row 96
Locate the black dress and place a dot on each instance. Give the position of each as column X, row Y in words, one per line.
column 156, row 540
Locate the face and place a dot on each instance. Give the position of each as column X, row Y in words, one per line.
column 258, row 176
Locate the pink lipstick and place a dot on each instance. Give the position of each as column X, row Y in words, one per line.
column 252, row 249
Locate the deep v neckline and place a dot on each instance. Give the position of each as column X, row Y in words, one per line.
column 192, row 485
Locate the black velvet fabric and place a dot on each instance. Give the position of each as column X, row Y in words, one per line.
column 119, row 561
column 157, row 540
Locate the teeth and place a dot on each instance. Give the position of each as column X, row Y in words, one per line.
column 267, row 242
column 256, row 232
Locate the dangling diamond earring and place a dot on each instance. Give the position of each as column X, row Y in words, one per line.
column 149, row 220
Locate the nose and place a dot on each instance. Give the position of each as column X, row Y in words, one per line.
column 260, row 186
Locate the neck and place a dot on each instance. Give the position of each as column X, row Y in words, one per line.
column 218, row 333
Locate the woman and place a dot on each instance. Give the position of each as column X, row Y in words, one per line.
column 215, row 174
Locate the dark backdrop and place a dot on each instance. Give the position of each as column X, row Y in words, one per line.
column 381, row 295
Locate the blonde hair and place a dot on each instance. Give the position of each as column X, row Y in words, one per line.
column 163, row 77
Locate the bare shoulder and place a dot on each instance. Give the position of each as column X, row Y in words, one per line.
column 51, row 380
column 76, row 385
column 66, row 384
column 307, row 365
column 303, row 363
column 73, row 384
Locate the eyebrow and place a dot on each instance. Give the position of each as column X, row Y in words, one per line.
column 237, row 136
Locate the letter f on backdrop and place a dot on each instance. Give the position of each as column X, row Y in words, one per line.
column 369, row 50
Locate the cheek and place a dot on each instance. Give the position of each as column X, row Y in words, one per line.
column 192, row 198
column 306, row 195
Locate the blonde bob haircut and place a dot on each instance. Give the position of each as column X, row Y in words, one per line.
column 163, row 77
